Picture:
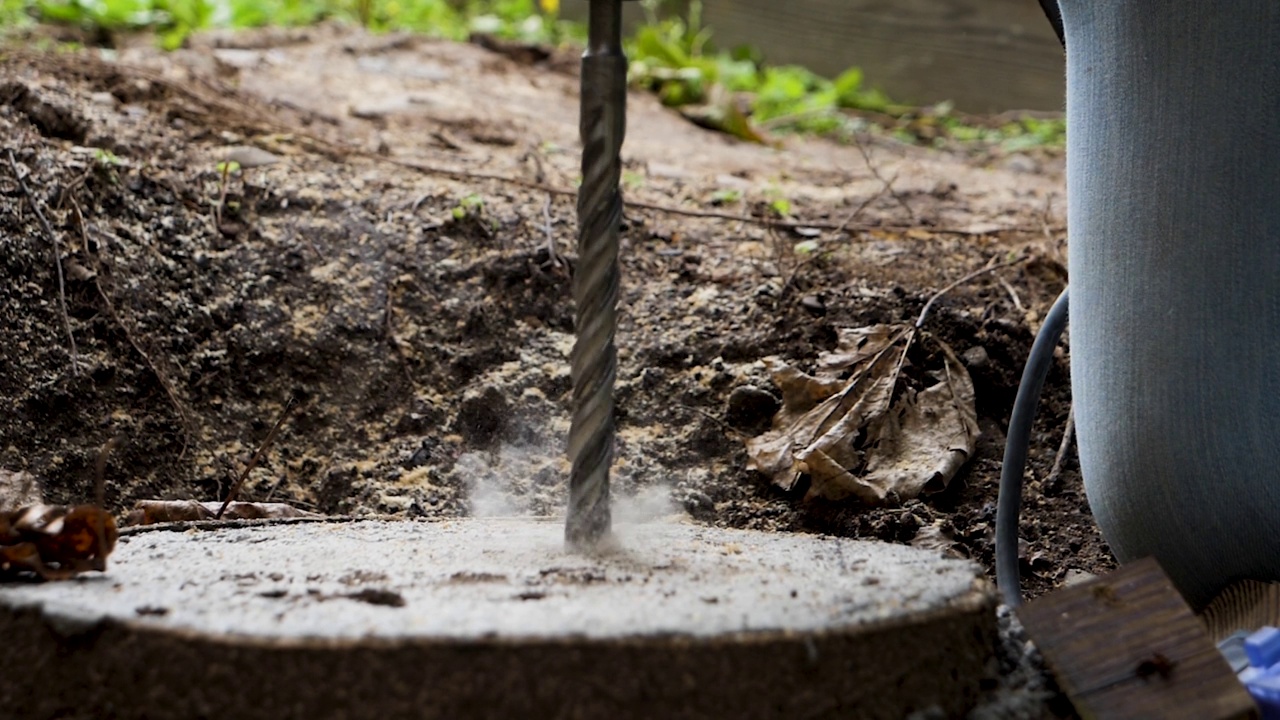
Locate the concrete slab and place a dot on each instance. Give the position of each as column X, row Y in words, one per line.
column 493, row 618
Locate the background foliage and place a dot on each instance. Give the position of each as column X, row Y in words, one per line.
column 732, row 90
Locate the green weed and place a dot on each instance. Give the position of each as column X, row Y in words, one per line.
column 733, row 91
column 726, row 197
column 106, row 159
column 471, row 206
column 736, row 92
column 174, row 20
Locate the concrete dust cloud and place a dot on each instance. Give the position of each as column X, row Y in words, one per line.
column 532, row 481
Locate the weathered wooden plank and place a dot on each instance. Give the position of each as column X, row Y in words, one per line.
column 1126, row 645
column 985, row 55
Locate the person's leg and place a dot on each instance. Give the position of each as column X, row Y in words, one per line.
column 1173, row 175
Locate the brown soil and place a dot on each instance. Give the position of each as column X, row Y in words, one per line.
column 416, row 305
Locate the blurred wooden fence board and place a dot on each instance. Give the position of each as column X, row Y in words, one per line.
column 985, row 55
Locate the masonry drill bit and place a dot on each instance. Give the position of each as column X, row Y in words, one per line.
column 595, row 280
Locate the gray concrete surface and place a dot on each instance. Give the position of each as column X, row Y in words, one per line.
column 493, row 618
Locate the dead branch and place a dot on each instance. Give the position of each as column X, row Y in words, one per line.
column 253, row 462
column 552, row 251
column 846, row 224
column 887, row 184
column 924, row 313
column 131, row 336
column 100, row 469
column 1068, row 434
column 57, row 257
column 1013, row 294
column 858, row 210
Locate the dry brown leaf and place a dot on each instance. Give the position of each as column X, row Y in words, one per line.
column 930, row 434
column 148, row 512
column 856, row 345
column 855, row 429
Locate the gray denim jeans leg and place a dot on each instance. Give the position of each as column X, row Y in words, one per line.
column 1173, row 174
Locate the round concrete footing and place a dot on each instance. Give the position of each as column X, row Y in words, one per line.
column 494, row 618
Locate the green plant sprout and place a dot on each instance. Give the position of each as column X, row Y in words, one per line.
column 471, row 206
column 106, row 158
column 225, row 169
column 727, row 196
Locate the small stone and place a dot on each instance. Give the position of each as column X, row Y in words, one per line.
column 651, row 377
column 750, row 408
column 483, row 416
column 421, row 456
column 694, row 501
column 813, row 304
column 248, row 156
column 768, row 289
column 378, row 110
column 237, row 58
column 976, row 358
column 1075, row 577
column 1020, row 163
column 421, row 419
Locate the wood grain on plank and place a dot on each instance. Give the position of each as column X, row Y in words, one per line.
column 1126, row 645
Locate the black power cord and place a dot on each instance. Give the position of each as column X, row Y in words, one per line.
column 1016, row 443
column 1018, row 439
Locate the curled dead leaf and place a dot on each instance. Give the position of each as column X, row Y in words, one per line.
column 149, row 512
column 857, row 427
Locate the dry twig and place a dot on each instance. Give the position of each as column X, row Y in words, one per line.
column 858, row 211
column 887, row 183
column 924, row 313
column 1068, row 434
column 253, row 462
column 130, row 335
column 1013, row 294
column 552, row 251
column 845, row 224
column 100, row 469
column 57, row 256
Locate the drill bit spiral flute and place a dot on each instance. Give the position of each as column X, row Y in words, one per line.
column 595, row 280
